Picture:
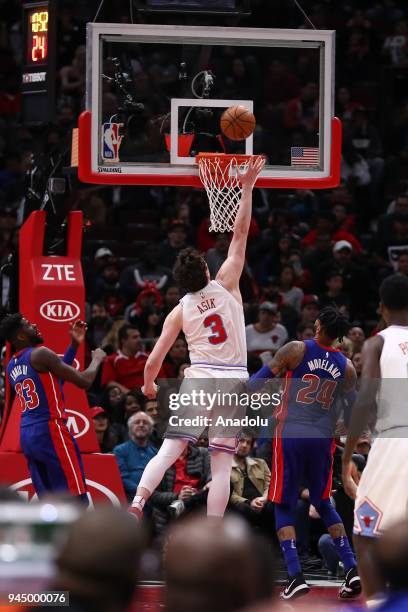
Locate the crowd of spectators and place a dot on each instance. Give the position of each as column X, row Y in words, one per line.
column 305, row 249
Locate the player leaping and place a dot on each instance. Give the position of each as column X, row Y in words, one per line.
column 212, row 319
column 303, row 442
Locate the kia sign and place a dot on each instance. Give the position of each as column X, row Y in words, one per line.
column 97, row 492
column 77, row 423
column 59, row 311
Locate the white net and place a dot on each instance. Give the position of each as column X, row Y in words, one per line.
column 218, row 173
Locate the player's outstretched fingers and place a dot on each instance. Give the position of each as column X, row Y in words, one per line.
column 250, row 174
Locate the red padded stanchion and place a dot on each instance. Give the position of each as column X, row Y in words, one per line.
column 52, row 295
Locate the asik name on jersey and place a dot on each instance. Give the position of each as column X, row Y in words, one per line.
column 206, row 305
column 324, row 364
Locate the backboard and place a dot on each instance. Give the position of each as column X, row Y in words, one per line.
column 155, row 94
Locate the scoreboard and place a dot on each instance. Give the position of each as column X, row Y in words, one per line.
column 38, row 76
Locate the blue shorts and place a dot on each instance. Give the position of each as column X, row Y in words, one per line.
column 53, row 458
column 301, row 462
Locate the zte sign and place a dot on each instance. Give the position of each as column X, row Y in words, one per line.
column 60, row 311
column 58, row 272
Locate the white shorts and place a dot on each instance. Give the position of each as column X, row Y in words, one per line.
column 207, row 371
column 382, row 494
column 189, row 422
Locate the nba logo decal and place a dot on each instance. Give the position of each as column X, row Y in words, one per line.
column 367, row 519
column 111, row 140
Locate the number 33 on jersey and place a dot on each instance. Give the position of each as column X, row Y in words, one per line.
column 39, row 393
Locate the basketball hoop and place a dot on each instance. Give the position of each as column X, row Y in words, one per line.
column 218, row 173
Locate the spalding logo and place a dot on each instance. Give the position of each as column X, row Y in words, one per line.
column 96, row 491
column 59, row 311
column 77, row 423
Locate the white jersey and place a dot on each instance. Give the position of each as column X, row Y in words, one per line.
column 214, row 326
column 392, row 395
column 382, row 494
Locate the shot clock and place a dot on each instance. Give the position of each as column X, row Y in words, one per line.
column 37, row 36
column 38, row 78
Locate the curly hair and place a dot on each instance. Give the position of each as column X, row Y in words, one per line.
column 334, row 323
column 190, row 270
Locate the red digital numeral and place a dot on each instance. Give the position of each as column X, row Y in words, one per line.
column 219, row 334
column 319, row 390
column 27, row 394
column 39, row 49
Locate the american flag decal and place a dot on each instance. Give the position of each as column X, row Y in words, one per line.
column 304, row 156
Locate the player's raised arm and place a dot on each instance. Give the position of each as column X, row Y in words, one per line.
column 364, row 406
column 44, row 360
column 77, row 333
column 171, row 329
column 231, row 270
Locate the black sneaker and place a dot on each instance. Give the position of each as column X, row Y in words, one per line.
column 295, row 587
column 351, row 587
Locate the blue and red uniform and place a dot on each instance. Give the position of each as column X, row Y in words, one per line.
column 303, row 443
column 52, row 453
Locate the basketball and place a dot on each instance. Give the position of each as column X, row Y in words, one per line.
column 237, row 122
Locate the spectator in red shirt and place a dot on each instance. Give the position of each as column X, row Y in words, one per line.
column 326, row 224
column 124, row 369
column 344, row 220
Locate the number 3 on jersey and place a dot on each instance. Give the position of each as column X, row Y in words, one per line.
column 215, row 323
column 27, row 394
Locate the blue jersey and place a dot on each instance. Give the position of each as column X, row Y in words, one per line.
column 312, row 390
column 39, row 393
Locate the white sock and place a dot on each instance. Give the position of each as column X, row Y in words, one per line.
column 138, row 502
column 154, row 471
column 219, row 492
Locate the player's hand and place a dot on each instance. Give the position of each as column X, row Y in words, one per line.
column 249, row 176
column 257, row 504
column 313, row 513
column 351, row 478
column 78, row 331
column 185, row 493
column 151, row 391
column 99, row 355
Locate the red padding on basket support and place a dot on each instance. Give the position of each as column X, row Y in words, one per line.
column 86, row 175
column 184, row 142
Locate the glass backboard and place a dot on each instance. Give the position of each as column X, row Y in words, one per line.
column 155, row 95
